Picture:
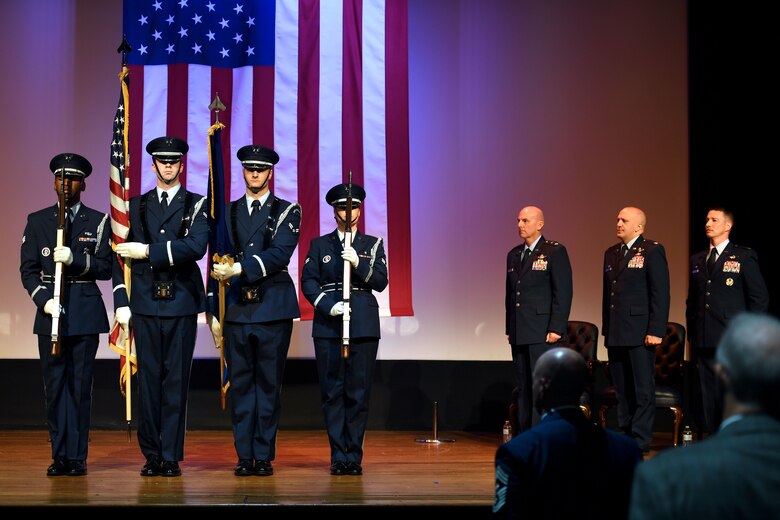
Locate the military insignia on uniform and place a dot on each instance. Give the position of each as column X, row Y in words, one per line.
column 87, row 239
column 384, row 261
column 636, row 262
column 326, row 259
column 696, row 269
column 307, row 260
column 293, row 228
column 540, row 264
column 45, row 251
column 731, row 266
column 510, row 270
column 607, row 268
column 729, row 281
column 23, row 238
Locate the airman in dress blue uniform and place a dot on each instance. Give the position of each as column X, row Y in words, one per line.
column 86, row 256
column 345, row 383
column 538, row 302
column 168, row 235
column 635, row 314
column 715, row 295
column 261, row 303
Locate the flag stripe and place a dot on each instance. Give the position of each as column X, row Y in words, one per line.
column 399, row 249
column 328, row 91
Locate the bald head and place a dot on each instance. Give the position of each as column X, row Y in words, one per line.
column 630, row 223
column 530, row 222
column 559, row 378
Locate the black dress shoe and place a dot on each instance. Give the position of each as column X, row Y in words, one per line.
column 338, row 468
column 353, row 468
column 152, row 466
column 77, row 468
column 58, row 467
column 263, row 468
column 244, row 468
column 170, row 468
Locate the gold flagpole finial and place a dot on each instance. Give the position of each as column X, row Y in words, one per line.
column 217, row 105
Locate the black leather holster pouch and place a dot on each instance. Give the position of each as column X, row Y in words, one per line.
column 162, row 290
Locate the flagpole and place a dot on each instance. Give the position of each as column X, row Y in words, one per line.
column 123, row 49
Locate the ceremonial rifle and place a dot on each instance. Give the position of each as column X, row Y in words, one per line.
column 59, row 279
column 346, row 286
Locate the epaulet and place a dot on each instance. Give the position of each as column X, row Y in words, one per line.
column 744, row 248
column 552, row 243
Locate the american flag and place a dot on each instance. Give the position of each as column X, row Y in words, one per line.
column 323, row 83
column 119, row 186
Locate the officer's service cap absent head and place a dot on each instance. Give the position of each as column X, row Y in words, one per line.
column 255, row 157
column 72, row 163
column 337, row 195
column 167, row 149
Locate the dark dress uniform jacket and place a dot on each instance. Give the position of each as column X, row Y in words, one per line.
column 324, row 268
column 171, row 257
column 732, row 474
column 635, row 302
column 266, row 252
column 736, row 285
column 89, row 237
column 538, row 294
column 555, row 469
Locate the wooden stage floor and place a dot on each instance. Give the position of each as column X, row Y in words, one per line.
column 399, row 472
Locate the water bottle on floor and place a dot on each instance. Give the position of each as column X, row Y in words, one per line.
column 687, row 436
column 506, row 433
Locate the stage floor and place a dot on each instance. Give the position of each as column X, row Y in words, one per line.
column 398, row 471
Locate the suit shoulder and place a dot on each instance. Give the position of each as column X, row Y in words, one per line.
column 93, row 212
column 741, row 249
column 516, row 249
column 42, row 213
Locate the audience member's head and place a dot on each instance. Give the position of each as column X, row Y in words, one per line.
column 748, row 358
column 559, row 379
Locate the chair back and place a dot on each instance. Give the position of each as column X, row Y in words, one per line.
column 669, row 356
column 583, row 337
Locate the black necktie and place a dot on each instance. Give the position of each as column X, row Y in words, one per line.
column 711, row 260
column 164, row 201
column 525, row 255
column 68, row 221
column 624, row 249
column 255, row 210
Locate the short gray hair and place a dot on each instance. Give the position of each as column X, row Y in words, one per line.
column 749, row 351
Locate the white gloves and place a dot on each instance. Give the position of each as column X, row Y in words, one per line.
column 51, row 306
column 225, row 271
column 135, row 250
column 215, row 326
column 338, row 309
column 350, row 255
column 63, row 254
column 123, row 316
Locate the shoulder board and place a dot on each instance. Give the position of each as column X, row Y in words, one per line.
column 744, row 248
column 552, row 243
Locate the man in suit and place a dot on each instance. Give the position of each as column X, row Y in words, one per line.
column 345, row 382
column 734, row 473
column 635, row 314
column 538, row 301
column 260, row 307
column 85, row 257
column 724, row 280
column 168, row 235
column 564, row 467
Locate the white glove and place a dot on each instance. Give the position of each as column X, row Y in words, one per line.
column 63, row 254
column 50, row 307
column 225, row 271
column 338, row 309
column 215, row 326
column 135, row 250
column 350, row 255
column 123, row 316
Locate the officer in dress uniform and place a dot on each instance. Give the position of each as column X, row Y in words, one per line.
column 635, row 314
column 345, row 384
column 261, row 304
column 168, row 235
column 538, row 302
column 86, row 257
column 716, row 293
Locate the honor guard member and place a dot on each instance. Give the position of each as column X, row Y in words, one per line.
column 635, row 313
column 261, row 303
column 345, row 384
column 86, row 256
column 724, row 280
column 168, row 235
column 538, row 302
